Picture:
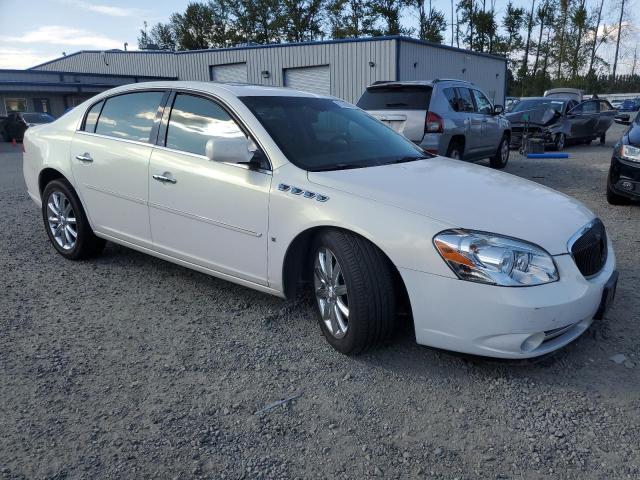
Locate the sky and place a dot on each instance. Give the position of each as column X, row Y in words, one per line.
column 35, row 31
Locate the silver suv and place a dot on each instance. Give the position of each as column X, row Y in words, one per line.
column 446, row 117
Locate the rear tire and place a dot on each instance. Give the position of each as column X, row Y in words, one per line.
column 354, row 291
column 501, row 158
column 66, row 223
column 455, row 150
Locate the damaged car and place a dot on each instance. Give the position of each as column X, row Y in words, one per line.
column 560, row 121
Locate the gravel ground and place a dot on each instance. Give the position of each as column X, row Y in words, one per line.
column 128, row 366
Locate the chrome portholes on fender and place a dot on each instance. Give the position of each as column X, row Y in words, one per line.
column 283, row 187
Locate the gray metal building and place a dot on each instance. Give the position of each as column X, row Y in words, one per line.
column 54, row 92
column 342, row 68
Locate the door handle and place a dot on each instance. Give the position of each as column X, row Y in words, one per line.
column 164, row 178
column 85, row 157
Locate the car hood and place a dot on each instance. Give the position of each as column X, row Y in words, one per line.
column 539, row 116
column 469, row 196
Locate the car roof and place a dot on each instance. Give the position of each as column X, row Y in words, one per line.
column 237, row 89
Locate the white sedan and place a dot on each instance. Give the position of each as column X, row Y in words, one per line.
column 276, row 190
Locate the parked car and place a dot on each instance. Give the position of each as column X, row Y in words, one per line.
column 623, row 182
column 568, row 93
column 274, row 189
column 616, row 102
column 629, row 105
column 510, row 102
column 560, row 121
column 453, row 118
column 16, row 123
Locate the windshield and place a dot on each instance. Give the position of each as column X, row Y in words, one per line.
column 37, row 118
column 326, row 134
column 393, row 97
column 538, row 103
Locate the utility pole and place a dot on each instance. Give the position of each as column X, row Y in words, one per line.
column 615, row 59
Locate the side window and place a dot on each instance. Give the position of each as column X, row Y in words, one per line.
column 194, row 120
column 452, row 98
column 465, row 102
column 92, row 117
column 129, row 116
column 482, row 103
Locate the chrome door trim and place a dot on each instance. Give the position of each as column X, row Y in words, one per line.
column 205, row 220
column 118, row 139
column 202, row 157
column 116, row 194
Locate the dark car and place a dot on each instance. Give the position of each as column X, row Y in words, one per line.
column 623, row 184
column 16, row 123
column 560, row 121
column 629, row 106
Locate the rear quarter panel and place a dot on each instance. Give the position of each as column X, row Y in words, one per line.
column 47, row 146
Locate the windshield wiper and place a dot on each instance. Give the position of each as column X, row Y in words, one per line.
column 406, row 160
column 339, row 166
column 398, row 104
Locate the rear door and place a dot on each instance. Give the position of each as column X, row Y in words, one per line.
column 110, row 163
column 402, row 107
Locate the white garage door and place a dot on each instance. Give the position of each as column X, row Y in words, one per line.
column 309, row 79
column 231, row 72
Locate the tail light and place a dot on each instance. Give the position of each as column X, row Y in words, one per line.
column 434, row 123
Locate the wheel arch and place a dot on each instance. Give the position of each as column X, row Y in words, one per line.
column 47, row 175
column 296, row 269
column 459, row 139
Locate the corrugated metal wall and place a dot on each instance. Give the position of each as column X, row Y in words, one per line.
column 116, row 63
column 348, row 62
column 353, row 64
column 424, row 62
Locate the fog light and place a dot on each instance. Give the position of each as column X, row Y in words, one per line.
column 532, row 342
column 625, row 185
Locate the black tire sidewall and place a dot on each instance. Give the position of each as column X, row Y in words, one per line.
column 455, row 147
column 496, row 162
column 83, row 229
column 560, row 146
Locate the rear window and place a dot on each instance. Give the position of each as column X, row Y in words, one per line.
column 403, row 97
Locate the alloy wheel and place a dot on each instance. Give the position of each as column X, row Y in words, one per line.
column 62, row 220
column 504, row 152
column 331, row 292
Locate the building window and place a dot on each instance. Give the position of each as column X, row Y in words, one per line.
column 15, row 105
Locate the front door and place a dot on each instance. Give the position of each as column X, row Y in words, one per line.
column 110, row 162
column 209, row 213
column 473, row 121
column 584, row 120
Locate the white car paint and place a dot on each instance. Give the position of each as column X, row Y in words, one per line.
column 232, row 222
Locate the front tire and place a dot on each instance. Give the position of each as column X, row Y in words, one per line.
column 501, row 158
column 354, row 291
column 66, row 223
column 559, row 142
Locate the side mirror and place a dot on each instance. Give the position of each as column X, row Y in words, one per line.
column 498, row 109
column 228, row 149
column 622, row 120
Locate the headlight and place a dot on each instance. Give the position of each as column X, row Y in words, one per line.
column 630, row 153
column 487, row 258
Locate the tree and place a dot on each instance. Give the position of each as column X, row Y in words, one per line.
column 193, row 27
column 388, row 12
column 258, row 21
column 467, row 14
column 595, row 33
column 530, row 21
column 544, row 15
column 350, row 18
column 562, row 25
column 431, row 23
column 579, row 20
column 615, row 58
column 512, row 24
column 303, row 19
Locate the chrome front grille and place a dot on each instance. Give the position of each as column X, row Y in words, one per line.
column 589, row 248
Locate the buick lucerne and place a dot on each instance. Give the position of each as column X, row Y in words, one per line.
column 276, row 190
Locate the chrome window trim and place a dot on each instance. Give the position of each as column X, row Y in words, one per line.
column 99, row 135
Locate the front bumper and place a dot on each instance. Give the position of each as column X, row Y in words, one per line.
column 624, row 177
column 505, row 322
